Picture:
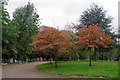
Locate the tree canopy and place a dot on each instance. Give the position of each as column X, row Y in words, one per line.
column 92, row 36
column 49, row 38
column 95, row 15
column 27, row 21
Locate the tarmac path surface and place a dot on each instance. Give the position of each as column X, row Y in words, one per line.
column 25, row 70
column 28, row 70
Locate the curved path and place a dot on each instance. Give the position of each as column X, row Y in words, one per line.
column 26, row 70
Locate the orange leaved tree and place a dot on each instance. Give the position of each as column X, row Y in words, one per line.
column 92, row 37
column 50, row 39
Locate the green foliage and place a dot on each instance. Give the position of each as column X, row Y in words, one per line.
column 27, row 21
column 17, row 33
column 95, row 15
column 107, row 69
column 9, row 34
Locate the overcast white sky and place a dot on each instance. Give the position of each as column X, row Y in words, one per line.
column 59, row 12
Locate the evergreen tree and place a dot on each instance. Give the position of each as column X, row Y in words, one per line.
column 95, row 15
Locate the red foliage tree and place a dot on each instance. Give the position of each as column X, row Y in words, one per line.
column 50, row 39
column 93, row 37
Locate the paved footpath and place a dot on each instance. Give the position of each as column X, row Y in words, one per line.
column 26, row 70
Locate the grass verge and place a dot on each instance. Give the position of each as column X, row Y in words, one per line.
column 80, row 68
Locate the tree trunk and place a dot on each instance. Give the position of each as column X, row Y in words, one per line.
column 56, row 59
column 13, row 59
column 50, row 60
column 90, row 58
column 56, row 64
column 95, row 55
column 102, row 57
column 91, row 50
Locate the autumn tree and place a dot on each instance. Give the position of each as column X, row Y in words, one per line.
column 92, row 37
column 50, row 39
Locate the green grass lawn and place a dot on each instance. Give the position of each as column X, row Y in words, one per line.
column 80, row 68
